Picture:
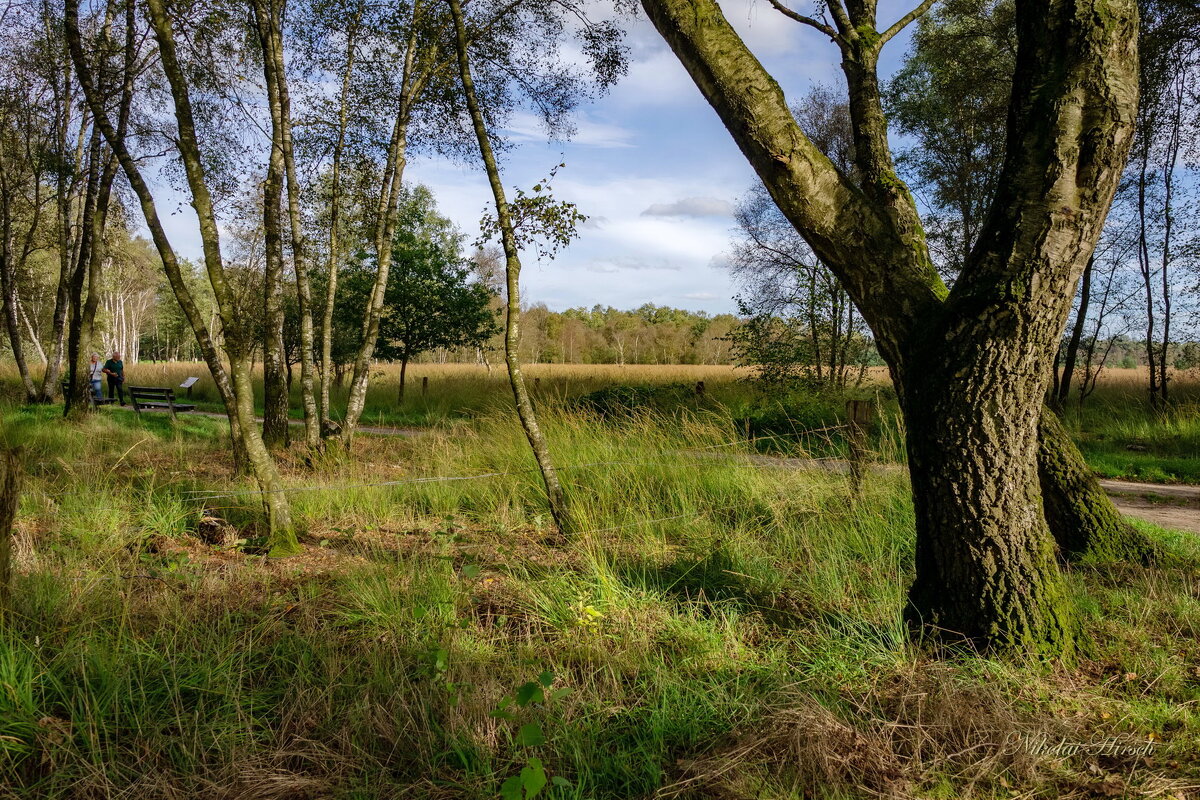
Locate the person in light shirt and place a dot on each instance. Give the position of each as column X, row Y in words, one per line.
column 95, row 375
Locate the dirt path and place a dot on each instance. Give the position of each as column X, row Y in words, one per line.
column 1175, row 507
column 1165, row 505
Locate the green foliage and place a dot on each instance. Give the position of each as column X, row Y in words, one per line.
column 538, row 220
column 621, row 401
column 955, row 108
column 430, row 301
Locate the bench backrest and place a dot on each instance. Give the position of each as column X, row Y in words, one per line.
column 152, row 393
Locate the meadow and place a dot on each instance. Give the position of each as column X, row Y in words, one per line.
column 723, row 625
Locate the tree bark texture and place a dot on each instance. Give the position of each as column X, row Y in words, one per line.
column 970, row 364
column 268, row 15
column 10, row 498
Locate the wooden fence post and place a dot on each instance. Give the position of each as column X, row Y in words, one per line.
column 10, row 488
column 858, row 419
column 424, row 385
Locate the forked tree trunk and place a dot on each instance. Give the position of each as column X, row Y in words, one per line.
column 971, row 364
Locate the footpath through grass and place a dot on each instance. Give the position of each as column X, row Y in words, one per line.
column 718, row 629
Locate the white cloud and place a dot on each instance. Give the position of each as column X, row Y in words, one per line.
column 691, row 207
column 700, row 296
column 526, row 127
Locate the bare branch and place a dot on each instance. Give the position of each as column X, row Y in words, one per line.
column 812, row 23
column 904, row 21
column 840, row 18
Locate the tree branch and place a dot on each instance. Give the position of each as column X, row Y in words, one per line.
column 904, row 21
column 858, row 240
column 809, row 21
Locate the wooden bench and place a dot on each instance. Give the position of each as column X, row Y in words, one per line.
column 95, row 401
column 151, row 398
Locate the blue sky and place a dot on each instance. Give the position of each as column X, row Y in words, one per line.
column 650, row 165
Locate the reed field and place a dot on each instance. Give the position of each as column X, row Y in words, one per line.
column 723, row 623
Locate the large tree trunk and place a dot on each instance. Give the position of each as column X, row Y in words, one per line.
column 985, row 560
column 971, row 364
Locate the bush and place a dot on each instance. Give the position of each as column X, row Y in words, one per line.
column 623, row 400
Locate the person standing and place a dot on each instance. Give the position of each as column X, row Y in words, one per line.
column 114, row 368
column 95, row 375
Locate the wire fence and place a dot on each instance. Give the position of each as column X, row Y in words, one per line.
column 205, row 495
column 704, row 455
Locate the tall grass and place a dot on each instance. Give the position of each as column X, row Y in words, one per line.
column 726, row 625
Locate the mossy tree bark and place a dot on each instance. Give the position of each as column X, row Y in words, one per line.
column 233, row 382
column 1085, row 523
column 512, row 269
column 970, row 364
column 275, row 378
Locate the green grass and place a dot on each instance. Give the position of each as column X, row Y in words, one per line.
column 1121, row 438
column 722, row 628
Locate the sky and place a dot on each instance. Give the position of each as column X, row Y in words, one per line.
column 651, row 166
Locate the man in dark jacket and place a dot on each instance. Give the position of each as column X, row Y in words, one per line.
column 114, row 368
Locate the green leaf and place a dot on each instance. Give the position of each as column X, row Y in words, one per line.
column 530, row 735
column 530, row 693
column 471, row 571
column 512, row 789
column 533, row 778
column 560, row 781
column 560, row 693
column 546, row 678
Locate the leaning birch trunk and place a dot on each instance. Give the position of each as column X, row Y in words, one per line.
column 512, row 269
column 281, row 110
column 234, row 384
